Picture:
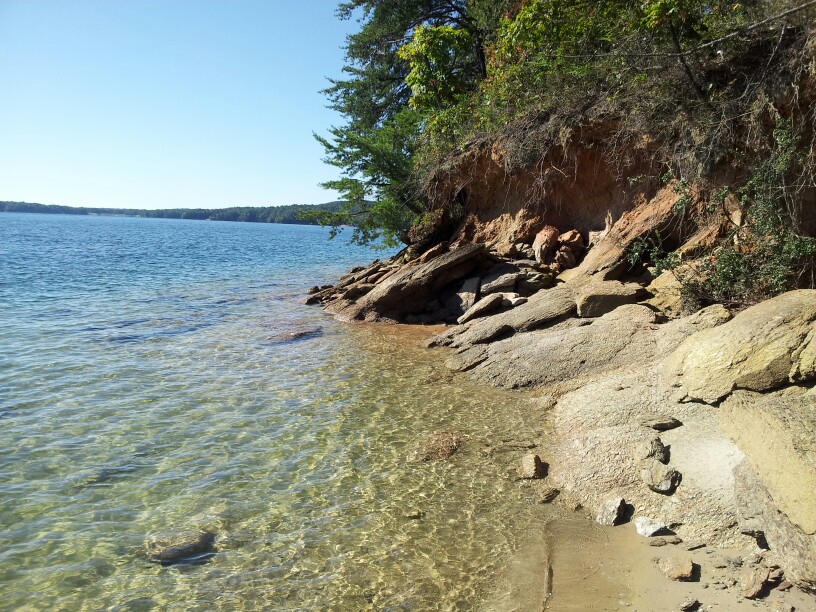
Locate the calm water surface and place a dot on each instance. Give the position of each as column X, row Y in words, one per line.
column 145, row 387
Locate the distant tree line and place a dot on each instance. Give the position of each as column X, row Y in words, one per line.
column 293, row 213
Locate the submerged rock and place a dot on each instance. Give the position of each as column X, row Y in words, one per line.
column 184, row 547
column 438, row 446
column 293, row 336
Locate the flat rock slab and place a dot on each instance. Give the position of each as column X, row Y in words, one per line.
column 540, row 309
column 765, row 346
column 547, row 357
column 487, row 305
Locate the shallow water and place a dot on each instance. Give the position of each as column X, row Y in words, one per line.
column 146, row 385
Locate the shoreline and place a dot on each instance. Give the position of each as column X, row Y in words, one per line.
column 726, row 567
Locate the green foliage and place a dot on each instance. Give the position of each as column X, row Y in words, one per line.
column 424, row 80
column 294, row 213
column 408, row 62
column 650, row 249
column 766, row 256
column 436, row 75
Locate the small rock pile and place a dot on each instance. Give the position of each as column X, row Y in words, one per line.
column 451, row 286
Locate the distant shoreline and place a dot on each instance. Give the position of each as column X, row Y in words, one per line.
column 291, row 214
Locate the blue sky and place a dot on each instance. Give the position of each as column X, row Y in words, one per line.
column 166, row 103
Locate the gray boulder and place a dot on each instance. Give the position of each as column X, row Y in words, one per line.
column 501, row 276
column 487, row 305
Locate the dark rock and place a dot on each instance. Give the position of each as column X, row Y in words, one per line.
column 661, row 423
column 565, row 259
column 314, row 289
column 185, row 547
column 464, row 298
column 357, row 291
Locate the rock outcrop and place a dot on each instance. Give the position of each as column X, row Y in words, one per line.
column 671, row 420
column 764, row 347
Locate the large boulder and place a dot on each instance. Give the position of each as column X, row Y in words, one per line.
column 500, row 277
column 409, row 290
column 545, row 243
column 766, row 346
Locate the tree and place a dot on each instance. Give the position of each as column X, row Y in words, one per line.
column 409, row 59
